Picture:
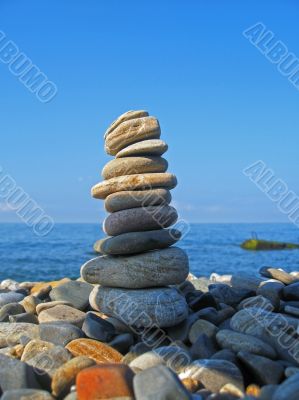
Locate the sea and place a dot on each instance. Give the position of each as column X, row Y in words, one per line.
column 210, row 247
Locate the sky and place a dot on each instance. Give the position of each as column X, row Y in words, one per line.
column 221, row 103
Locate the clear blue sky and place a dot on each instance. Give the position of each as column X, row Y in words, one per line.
column 221, row 104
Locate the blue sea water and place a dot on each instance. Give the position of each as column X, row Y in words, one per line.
column 211, row 248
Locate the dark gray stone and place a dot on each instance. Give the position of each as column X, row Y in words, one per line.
column 10, row 309
column 159, row 383
column 291, row 292
column 16, row 374
column 140, row 219
column 264, row 370
column 162, row 307
column 10, row 297
column 153, row 269
column 59, row 333
column 181, row 331
column 225, row 354
column 122, row 342
column 271, row 290
column 203, row 348
column 97, row 328
column 137, row 242
column 24, row 317
column 236, row 342
column 228, row 295
column 75, row 292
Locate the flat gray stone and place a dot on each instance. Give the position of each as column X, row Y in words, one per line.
column 140, row 219
column 163, row 307
column 288, row 390
column 132, row 114
column 153, row 269
column 264, row 370
column 159, row 383
column 202, row 327
column 75, row 292
column 59, row 333
column 16, row 374
column 10, row 309
column 134, row 182
column 137, row 242
column 134, row 165
column 154, row 147
column 214, row 374
column 10, row 297
column 291, row 292
column 236, row 342
column 12, row 333
column 132, row 131
column 137, row 198
column 27, row 394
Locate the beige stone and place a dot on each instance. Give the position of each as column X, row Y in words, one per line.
column 154, row 147
column 132, row 114
column 62, row 313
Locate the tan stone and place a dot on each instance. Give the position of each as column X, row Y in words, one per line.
column 62, row 313
column 39, row 286
column 134, row 182
column 97, row 351
column 134, row 165
column 29, row 303
column 155, row 147
column 50, row 304
column 132, row 114
column 132, row 131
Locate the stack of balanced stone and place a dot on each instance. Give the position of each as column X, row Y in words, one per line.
column 138, row 270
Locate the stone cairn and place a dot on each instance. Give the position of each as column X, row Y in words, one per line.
column 138, row 269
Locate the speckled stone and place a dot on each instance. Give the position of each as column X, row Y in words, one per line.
column 62, row 313
column 75, row 292
column 132, row 114
column 132, row 131
column 163, row 307
column 153, row 269
column 153, row 147
column 137, row 242
column 134, row 165
column 139, row 219
column 95, row 350
column 12, row 333
column 136, row 198
column 134, row 182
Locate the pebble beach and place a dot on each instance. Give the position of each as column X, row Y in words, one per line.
column 135, row 324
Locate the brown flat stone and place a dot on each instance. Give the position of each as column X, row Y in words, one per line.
column 132, row 114
column 154, row 147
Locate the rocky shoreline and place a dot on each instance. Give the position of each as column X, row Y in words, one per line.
column 239, row 340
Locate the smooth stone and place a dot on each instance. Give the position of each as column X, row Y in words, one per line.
column 97, row 351
column 164, row 307
column 72, row 396
column 214, row 374
column 41, row 286
column 277, row 274
column 65, row 376
column 153, row 269
column 12, row 333
column 236, row 342
column 173, row 357
column 10, row 309
column 226, row 294
column 75, row 292
column 137, row 242
column 264, row 370
column 159, row 383
column 203, row 348
column 133, row 182
column 225, row 354
column 245, row 281
column 140, row 219
column 30, row 303
column 59, row 333
column 136, row 351
column 271, row 290
column 202, row 327
column 255, row 301
column 45, row 356
column 153, row 147
column 202, row 301
column 97, row 328
column 122, row 343
column 105, row 382
column 10, row 297
column 181, row 331
column 289, row 371
column 62, row 313
column 291, row 292
column 136, row 198
column 288, row 390
column 50, row 304
column 26, row 394
column 132, row 131
column 134, row 165
column 16, row 374
column 24, row 317
column 292, row 310
column 132, row 114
